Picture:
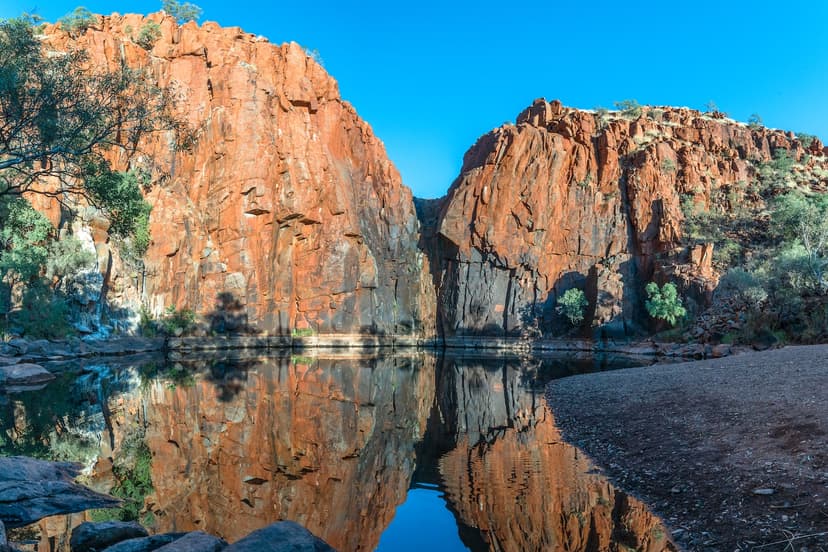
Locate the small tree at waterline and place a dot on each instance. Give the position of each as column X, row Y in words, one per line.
column 572, row 304
column 665, row 303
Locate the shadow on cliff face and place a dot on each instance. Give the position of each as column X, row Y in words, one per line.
column 229, row 316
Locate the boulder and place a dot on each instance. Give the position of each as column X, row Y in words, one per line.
column 284, row 536
column 196, row 541
column 24, row 374
column 145, row 544
column 33, row 489
column 17, row 346
column 94, row 537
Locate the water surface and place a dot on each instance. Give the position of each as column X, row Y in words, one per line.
column 405, row 452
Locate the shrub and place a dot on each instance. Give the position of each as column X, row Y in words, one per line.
column 177, row 322
column 668, row 166
column 133, row 475
column 727, row 253
column 572, row 304
column 746, row 287
column 78, row 21
column 629, row 108
column 148, row 35
column 182, row 12
column 120, row 195
column 803, row 223
column 42, row 314
column 805, row 139
column 664, row 303
column 315, row 56
column 602, row 116
column 755, row 121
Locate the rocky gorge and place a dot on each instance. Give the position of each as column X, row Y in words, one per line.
column 285, row 216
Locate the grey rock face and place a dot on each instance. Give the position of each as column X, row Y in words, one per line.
column 284, row 536
column 196, row 541
column 92, row 537
column 33, row 489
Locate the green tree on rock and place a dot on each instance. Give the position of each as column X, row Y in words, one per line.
column 572, row 304
column 802, row 224
column 62, row 119
column 665, row 303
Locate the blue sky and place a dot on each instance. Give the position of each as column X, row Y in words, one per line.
column 431, row 77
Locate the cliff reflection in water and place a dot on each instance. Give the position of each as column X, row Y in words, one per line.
column 327, row 443
column 336, row 443
column 508, row 475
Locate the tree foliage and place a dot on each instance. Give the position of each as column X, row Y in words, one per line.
column 572, row 304
column 61, row 120
column 148, row 35
column 802, row 222
column 664, row 303
column 59, row 117
column 182, row 12
column 78, row 21
column 629, row 108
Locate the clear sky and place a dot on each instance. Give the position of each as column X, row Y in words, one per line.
column 432, row 76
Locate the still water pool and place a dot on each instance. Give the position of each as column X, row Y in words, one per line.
column 405, row 452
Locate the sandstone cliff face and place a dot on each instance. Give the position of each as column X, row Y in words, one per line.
column 570, row 198
column 286, row 203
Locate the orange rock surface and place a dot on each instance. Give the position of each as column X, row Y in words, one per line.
column 287, row 200
column 571, row 198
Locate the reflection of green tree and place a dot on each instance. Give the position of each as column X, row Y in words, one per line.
column 173, row 374
column 133, row 472
column 48, row 428
column 133, row 476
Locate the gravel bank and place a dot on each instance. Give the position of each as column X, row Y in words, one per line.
column 731, row 452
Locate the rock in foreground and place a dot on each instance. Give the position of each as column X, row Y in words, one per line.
column 24, row 374
column 92, row 537
column 33, row 489
column 285, row 536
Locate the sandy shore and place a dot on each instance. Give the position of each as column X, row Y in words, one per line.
column 731, row 452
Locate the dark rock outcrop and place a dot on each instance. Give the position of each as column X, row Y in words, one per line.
column 285, row 536
column 94, row 537
column 33, row 489
column 145, row 544
column 197, row 541
column 23, row 374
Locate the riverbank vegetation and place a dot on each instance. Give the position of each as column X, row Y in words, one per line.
column 771, row 249
column 62, row 122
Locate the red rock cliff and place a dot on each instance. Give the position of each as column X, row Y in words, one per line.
column 287, row 201
column 571, row 198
